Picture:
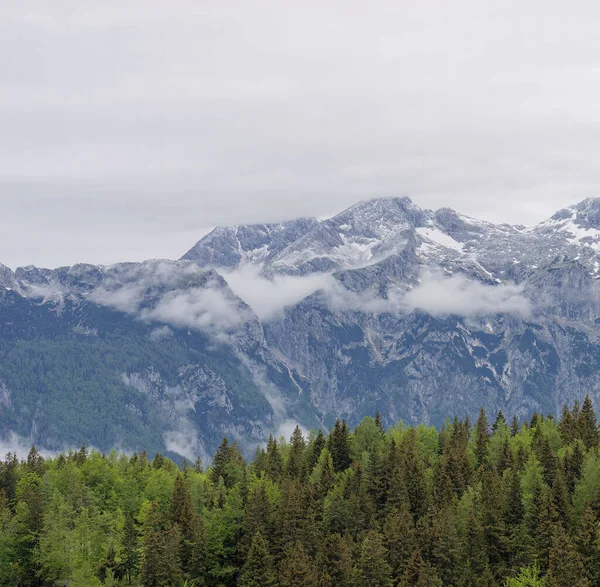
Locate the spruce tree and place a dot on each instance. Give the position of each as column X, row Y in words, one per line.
column 372, row 568
column 182, row 513
column 295, row 463
column 258, row 517
column 514, row 426
column 297, row 569
column 258, row 570
column 400, row 538
column 412, row 471
column 543, row 450
column 482, row 437
column 161, row 565
column 565, row 566
column 415, row 573
column 220, row 462
column 339, row 446
column 588, row 425
column 586, row 538
column 334, row 562
column 313, row 452
column 500, row 422
column 274, row 462
column 567, row 426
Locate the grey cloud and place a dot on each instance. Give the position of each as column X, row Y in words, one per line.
column 210, row 307
column 460, row 296
column 436, row 293
column 128, row 131
column 161, row 332
column 269, row 297
column 204, row 308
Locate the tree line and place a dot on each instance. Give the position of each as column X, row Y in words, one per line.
column 502, row 503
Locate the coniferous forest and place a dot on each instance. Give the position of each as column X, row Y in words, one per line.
column 495, row 502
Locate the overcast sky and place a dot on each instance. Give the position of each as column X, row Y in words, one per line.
column 130, row 127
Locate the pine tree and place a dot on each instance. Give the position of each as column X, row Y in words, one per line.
column 506, row 458
column 475, row 564
column 440, row 544
column 573, row 465
column 565, row 566
column 258, row 569
column 191, row 529
column 588, row 425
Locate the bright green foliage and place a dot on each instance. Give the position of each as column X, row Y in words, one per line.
column 528, row 577
column 514, row 507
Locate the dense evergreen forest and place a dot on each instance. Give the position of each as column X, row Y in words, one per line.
column 503, row 503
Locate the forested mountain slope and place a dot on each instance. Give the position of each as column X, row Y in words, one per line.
column 513, row 504
column 385, row 306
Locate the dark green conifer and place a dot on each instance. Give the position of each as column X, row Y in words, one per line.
column 314, row 450
column 274, row 462
column 296, row 461
column 482, row 437
column 372, row 568
column 514, row 426
column 588, row 425
column 339, row 446
column 297, row 569
column 500, row 422
column 258, row 570
column 565, row 566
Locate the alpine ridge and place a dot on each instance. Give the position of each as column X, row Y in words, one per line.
column 411, row 312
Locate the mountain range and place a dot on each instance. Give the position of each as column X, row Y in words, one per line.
column 385, row 307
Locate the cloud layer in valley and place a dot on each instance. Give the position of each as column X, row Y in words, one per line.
column 165, row 292
column 436, row 294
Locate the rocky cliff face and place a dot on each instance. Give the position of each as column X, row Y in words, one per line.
column 418, row 314
column 457, row 345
